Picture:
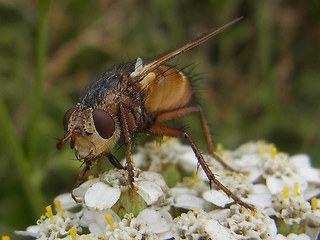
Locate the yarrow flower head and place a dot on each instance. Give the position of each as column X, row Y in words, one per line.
column 198, row 224
column 291, row 207
column 243, row 223
column 172, row 198
column 54, row 226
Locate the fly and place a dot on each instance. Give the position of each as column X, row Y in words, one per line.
column 134, row 98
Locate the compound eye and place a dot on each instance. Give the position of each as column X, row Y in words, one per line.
column 66, row 118
column 104, row 123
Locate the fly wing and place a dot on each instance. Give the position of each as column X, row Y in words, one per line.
column 155, row 64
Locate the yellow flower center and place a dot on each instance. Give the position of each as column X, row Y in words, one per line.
column 73, row 233
column 49, row 212
column 285, row 192
column 109, row 220
column 314, row 203
column 296, row 189
column 58, row 207
column 273, row 151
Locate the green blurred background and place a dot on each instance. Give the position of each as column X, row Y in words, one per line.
column 259, row 79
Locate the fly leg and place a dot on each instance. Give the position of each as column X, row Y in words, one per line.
column 127, row 139
column 186, row 111
column 82, row 175
column 80, row 178
column 114, row 161
column 172, row 132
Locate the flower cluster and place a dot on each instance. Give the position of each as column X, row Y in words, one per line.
column 173, row 200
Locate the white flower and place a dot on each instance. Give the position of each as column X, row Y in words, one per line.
column 100, row 196
column 292, row 209
column 96, row 221
column 155, row 221
column 247, row 158
column 282, row 170
column 149, row 224
column 66, row 201
column 152, row 188
column 102, row 193
column 197, row 224
column 80, row 191
column 303, row 166
column 53, row 227
column 276, row 184
column 154, row 156
column 188, row 198
column 31, row 231
column 246, row 224
column 313, row 219
column 257, row 195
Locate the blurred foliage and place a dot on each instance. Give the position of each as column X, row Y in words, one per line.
column 259, row 79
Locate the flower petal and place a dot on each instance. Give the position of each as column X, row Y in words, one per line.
column 80, row 191
column 100, row 196
column 301, row 161
column 310, row 174
column 217, row 231
column 155, row 221
column 188, row 201
column 31, row 231
column 275, row 184
column 66, row 201
column 260, row 196
column 149, row 191
column 153, row 177
column 216, row 197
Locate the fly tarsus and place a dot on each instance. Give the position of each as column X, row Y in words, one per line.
column 129, row 168
column 237, row 200
column 80, row 179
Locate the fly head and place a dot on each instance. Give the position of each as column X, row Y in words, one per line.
column 91, row 131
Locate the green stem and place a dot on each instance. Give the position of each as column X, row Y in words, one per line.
column 31, row 188
column 44, row 6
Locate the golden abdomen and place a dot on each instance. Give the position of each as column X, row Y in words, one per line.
column 166, row 89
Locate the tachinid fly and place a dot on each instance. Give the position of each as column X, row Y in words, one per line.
column 135, row 98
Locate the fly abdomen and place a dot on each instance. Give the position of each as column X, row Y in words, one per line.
column 166, row 88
